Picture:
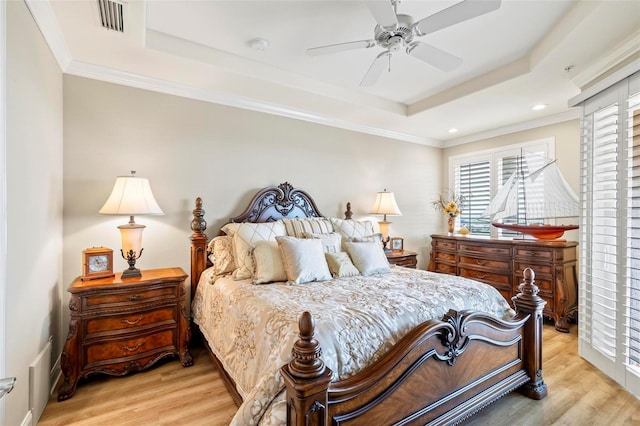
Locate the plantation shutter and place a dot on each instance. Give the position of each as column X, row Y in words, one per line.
column 473, row 182
column 609, row 302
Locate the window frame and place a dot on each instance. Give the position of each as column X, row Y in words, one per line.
column 493, row 156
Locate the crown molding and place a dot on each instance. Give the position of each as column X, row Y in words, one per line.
column 572, row 114
column 46, row 20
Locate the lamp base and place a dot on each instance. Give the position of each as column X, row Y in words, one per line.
column 131, row 273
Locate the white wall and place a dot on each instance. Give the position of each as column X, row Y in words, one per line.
column 190, row 148
column 34, row 202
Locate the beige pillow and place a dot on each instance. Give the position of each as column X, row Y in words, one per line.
column 352, row 228
column 268, row 262
column 368, row 257
column 231, row 228
column 331, row 243
column 221, row 255
column 340, row 265
column 244, row 242
column 296, row 227
column 303, row 259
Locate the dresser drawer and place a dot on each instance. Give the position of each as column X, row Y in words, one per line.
column 488, row 277
column 540, row 269
column 474, row 249
column 113, row 349
column 115, row 299
column 444, row 245
column 132, row 321
column 532, row 254
column 503, row 265
column 445, row 268
column 445, row 256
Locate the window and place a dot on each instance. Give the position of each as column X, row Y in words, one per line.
column 609, row 303
column 478, row 177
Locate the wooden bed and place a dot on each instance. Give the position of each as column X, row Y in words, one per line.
column 441, row 372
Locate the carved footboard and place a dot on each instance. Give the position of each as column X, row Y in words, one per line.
column 440, row 373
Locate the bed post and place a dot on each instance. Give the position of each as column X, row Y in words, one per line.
column 306, row 378
column 198, row 245
column 528, row 302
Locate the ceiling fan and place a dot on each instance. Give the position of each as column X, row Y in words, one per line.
column 396, row 31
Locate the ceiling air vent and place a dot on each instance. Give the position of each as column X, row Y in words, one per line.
column 111, row 15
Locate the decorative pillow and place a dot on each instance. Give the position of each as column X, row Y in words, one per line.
column 230, row 228
column 367, row 238
column 331, row 243
column 352, row 228
column 244, row 242
column 368, row 257
column 340, row 265
column 268, row 261
column 303, row 259
column 296, row 227
column 221, row 249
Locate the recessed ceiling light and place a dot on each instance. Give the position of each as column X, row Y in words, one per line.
column 453, row 130
column 539, row 107
column 259, row 44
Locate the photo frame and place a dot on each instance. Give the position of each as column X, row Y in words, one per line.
column 397, row 244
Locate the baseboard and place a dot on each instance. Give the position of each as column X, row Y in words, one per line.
column 56, row 373
column 28, row 419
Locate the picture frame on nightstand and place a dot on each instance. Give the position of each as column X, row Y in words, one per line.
column 397, row 244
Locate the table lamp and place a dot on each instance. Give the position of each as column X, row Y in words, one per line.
column 385, row 204
column 131, row 195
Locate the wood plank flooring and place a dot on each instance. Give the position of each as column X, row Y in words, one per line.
column 172, row 395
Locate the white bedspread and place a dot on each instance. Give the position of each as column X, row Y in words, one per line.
column 252, row 328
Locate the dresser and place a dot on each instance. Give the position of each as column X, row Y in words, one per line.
column 500, row 262
column 122, row 325
column 405, row 258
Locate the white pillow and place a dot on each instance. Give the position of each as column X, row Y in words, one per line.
column 296, row 227
column 331, row 243
column 368, row 257
column 340, row 265
column 268, row 261
column 244, row 242
column 303, row 260
column 231, row 228
column 352, row 228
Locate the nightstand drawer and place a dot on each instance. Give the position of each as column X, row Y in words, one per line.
column 120, row 348
column 116, row 299
column 138, row 319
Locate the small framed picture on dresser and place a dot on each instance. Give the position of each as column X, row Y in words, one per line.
column 397, row 244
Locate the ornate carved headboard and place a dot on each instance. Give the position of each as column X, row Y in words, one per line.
column 269, row 204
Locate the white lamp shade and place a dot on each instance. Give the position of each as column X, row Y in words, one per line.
column 386, row 204
column 132, row 196
column 131, row 235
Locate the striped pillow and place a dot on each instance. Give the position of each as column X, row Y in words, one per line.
column 296, row 227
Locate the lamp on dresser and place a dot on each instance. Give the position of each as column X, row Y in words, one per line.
column 385, row 205
column 131, row 196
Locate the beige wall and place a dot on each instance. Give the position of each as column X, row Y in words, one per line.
column 567, row 144
column 190, row 148
column 34, row 203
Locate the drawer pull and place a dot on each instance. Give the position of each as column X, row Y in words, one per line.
column 134, row 298
column 132, row 349
column 481, row 262
column 480, row 275
column 126, row 321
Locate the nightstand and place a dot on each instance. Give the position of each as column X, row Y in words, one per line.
column 402, row 258
column 122, row 325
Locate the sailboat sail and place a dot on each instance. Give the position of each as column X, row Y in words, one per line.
column 536, row 191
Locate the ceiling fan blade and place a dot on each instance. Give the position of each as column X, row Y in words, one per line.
column 340, row 47
column 384, row 13
column 457, row 13
column 376, row 69
column 434, row 56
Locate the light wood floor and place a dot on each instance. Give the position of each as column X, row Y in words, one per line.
column 172, row 395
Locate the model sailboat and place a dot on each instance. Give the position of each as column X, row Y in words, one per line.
column 535, row 193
